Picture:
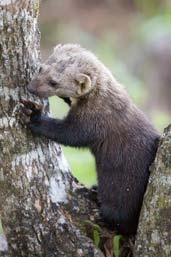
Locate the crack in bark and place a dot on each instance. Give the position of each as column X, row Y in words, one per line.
column 30, row 216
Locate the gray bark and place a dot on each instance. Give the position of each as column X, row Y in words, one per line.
column 42, row 206
column 154, row 232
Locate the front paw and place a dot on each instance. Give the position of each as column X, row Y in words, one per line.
column 31, row 111
column 34, row 127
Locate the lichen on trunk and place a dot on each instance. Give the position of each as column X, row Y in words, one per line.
column 154, row 232
column 42, row 206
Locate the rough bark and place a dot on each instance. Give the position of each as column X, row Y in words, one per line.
column 42, row 207
column 154, row 232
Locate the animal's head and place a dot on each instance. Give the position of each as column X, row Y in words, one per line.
column 69, row 72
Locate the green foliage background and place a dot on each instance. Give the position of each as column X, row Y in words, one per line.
column 81, row 161
column 151, row 20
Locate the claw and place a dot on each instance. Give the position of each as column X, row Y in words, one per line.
column 31, row 105
column 24, row 119
column 27, row 111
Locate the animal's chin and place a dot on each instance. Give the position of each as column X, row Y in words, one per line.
column 41, row 95
column 60, row 92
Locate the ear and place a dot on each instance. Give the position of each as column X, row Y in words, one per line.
column 84, row 84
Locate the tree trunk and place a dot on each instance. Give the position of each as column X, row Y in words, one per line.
column 154, row 232
column 42, row 207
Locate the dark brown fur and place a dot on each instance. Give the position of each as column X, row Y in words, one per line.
column 105, row 120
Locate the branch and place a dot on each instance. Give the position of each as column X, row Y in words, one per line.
column 154, row 232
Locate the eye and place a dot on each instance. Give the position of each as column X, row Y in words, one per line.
column 52, row 83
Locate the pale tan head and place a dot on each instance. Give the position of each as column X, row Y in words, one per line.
column 71, row 71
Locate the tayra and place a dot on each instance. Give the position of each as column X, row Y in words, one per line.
column 104, row 119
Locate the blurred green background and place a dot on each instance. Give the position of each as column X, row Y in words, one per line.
column 133, row 39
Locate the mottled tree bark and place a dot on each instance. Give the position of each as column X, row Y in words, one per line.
column 42, row 207
column 154, row 232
